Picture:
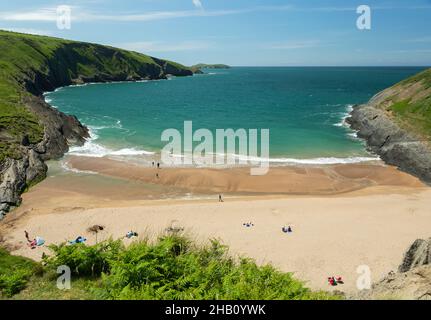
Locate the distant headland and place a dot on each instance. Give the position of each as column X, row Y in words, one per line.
column 197, row 68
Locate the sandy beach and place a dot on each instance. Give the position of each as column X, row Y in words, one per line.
column 342, row 216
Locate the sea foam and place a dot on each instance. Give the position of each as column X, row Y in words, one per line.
column 93, row 149
column 344, row 116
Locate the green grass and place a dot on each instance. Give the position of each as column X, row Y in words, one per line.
column 15, row 272
column 173, row 267
column 424, row 76
column 44, row 287
column 413, row 112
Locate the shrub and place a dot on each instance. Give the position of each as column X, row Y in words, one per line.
column 84, row 260
column 174, row 268
column 14, row 282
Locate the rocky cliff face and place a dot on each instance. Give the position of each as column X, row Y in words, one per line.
column 391, row 135
column 60, row 131
column 49, row 63
column 419, row 254
column 393, row 144
column 413, row 279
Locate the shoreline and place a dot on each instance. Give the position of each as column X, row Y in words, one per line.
column 280, row 180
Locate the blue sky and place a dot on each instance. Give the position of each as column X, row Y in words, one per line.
column 239, row 32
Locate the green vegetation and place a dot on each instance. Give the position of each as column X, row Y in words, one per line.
column 424, row 77
column 15, row 272
column 31, row 64
column 411, row 104
column 170, row 268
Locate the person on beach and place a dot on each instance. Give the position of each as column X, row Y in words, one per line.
column 157, row 176
column 220, row 198
column 287, row 229
column 36, row 242
column 152, row 163
column 31, row 243
column 332, row 282
column 335, row 281
column 158, row 165
column 131, row 234
column 78, row 240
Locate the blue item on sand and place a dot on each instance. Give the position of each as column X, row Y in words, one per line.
column 40, row 241
column 131, row 234
column 78, row 240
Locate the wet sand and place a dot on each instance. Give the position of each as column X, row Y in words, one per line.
column 291, row 180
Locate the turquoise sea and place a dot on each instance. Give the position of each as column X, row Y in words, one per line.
column 304, row 108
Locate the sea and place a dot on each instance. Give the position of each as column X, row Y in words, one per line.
column 304, row 109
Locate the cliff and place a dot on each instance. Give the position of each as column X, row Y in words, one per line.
column 396, row 124
column 412, row 281
column 31, row 131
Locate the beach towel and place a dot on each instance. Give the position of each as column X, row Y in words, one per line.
column 39, row 241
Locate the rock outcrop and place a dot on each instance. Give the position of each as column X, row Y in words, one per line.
column 412, row 285
column 413, row 279
column 393, row 144
column 394, row 125
column 419, row 254
column 60, row 131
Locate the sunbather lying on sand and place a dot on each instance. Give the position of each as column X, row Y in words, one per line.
column 287, row 229
column 335, row 281
column 78, row 240
column 36, row 242
column 131, row 234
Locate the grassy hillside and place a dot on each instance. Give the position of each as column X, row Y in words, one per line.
column 170, row 268
column 31, row 64
column 409, row 102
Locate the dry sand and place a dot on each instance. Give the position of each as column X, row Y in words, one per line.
column 342, row 216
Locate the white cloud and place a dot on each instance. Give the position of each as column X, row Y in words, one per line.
column 78, row 14
column 44, row 15
column 198, row 4
column 29, row 31
column 157, row 46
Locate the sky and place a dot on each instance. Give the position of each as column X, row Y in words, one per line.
column 239, row 32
